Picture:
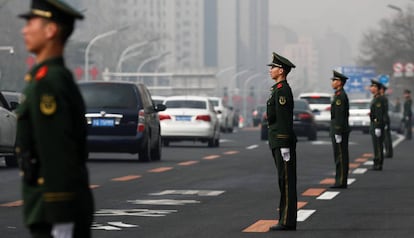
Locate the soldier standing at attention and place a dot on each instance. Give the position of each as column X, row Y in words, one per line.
column 377, row 124
column 282, row 140
column 51, row 130
column 387, row 129
column 339, row 130
column 408, row 114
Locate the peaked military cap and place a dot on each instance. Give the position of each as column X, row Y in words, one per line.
column 407, row 91
column 376, row 83
column 280, row 61
column 55, row 10
column 339, row 76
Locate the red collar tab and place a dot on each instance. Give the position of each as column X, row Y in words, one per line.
column 338, row 93
column 41, row 73
column 279, row 85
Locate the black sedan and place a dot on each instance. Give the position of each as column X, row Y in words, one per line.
column 122, row 119
column 303, row 121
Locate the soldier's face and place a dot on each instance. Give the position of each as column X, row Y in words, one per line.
column 35, row 34
column 373, row 89
column 336, row 83
column 275, row 72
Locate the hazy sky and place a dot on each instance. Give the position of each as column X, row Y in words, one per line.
column 349, row 17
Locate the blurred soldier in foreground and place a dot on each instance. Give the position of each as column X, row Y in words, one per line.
column 377, row 124
column 339, row 130
column 51, row 130
column 282, row 140
column 387, row 128
column 407, row 114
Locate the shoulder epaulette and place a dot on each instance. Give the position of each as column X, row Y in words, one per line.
column 41, row 73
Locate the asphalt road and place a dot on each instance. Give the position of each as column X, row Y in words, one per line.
column 231, row 191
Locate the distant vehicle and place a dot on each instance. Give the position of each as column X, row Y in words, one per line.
column 121, row 118
column 396, row 119
column 12, row 98
column 257, row 114
column 303, row 121
column 320, row 104
column 225, row 114
column 8, row 122
column 158, row 99
column 359, row 110
column 189, row 118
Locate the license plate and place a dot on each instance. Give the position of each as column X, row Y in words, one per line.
column 357, row 123
column 103, row 122
column 183, row 118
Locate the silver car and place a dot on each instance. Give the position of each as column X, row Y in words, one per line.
column 8, row 122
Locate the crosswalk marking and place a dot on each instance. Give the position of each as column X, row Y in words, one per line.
column 189, row 192
column 360, row 171
column 170, row 202
column 134, row 212
column 252, row 147
column 327, row 195
column 351, row 181
column 369, row 162
column 304, row 214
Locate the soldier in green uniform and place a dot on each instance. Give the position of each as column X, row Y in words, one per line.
column 407, row 114
column 377, row 124
column 339, row 130
column 387, row 129
column 282, row 140
column 51, row 130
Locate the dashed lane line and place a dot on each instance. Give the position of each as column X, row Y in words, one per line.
column 360, row 171
column 231, row 152
column 160, row 169
column 187, row 163
column 313, row 192
column 211, row 157
column 327, row 195
column 252, row 147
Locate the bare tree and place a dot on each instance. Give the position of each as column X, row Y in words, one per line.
column 392, row 42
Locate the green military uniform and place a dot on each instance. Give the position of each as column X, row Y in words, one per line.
column 408, row 116
column 51, row 142
column 281, row 135
column 377, row 122
column 387, row 129
column 340, row 127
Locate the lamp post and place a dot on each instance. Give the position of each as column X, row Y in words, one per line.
column 8, row 48
column 233, row 80
column 396, row 8
column 245, row 90
column 88, row 47
column 152, row 58
column 124, row 53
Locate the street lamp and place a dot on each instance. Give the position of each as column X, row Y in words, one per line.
column 245, row 90
column 100, row 36
column 396, row 8
column 9, row 48
column 124, row 53
column 152, row 58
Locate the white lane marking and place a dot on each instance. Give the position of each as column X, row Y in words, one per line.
column 134, row 212
column 121, row 224
column 327, row 195
column 399, row 139
column 324, row 142
column 252, row 147
column 359, row 171
column 189, row 192
column 369, row 162
column 350, row 181
column 97, row 226
column 168, row 202
column 304, row 214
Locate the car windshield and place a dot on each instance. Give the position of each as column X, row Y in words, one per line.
column 317, row 100
column 109, row 96
column 301, row 105
column 186, row 104
column 214, row 102
column 359, row 105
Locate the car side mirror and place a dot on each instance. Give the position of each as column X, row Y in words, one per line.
column 160, row 107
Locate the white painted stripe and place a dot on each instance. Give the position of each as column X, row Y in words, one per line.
column 360, row 171
column 327, row 195
column 169, row 202
column 304, row 214
column 399, row 139
column 189, row 192
column 251, row 147
column 121, row 224
column 369, row 162
column 351, row 181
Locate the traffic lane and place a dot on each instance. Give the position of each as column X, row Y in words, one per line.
column 249, row 179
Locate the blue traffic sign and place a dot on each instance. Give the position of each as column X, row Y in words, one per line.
column 359, row 78
column 384, row 79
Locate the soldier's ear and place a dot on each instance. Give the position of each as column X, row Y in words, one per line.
column 51, row 30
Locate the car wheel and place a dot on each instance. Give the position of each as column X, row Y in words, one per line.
column 156, row 151
column 217, row 143
column 211, row 142
column 165, row 143
column 10, row 160
column 313, row 136
column 144, row 155
column 263, row 133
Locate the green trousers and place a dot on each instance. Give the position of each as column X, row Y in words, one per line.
column 341, row 157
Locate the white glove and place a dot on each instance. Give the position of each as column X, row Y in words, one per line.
column 285, row 153
column 63, row 230
column 377, row 132
column 338, row 139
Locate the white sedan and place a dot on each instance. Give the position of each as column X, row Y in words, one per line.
column 189, row 118
column 359, row 114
